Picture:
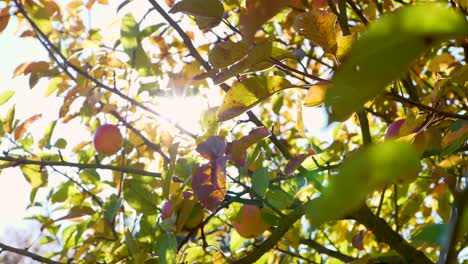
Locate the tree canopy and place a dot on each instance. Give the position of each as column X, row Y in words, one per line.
column 254, row 184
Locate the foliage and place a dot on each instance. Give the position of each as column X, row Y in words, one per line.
column 353, row 197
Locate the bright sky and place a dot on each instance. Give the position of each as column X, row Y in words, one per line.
column 14, row 190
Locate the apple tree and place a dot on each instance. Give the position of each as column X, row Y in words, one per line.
column 253, row 183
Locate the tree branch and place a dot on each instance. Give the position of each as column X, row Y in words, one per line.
column 406, row 101
column 155, row 147
column 24, row 161
column 324, row 250
column 384, row 233
column 66, row 64
column 26, row 253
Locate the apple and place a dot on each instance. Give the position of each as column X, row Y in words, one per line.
column 187, row 211
column 107, row 139
column 251, row 224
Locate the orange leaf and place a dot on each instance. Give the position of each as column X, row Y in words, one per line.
column 22, row 129
column 4, row 18
column 209, row 184
column 29, row 67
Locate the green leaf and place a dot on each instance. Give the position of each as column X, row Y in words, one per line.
column 111, row 208
column 169, row 172
column 5, row 96
column 168, row 248
column 260, row 181
column 208, row 13
column 249, row 93
column 36, row 175
column 8, row 121
column 374, row 62
column 131, row 41
column 369, row 169
column 45, row 141
column 131, row 243
column 227, row 53
column 148, row 31
column 279, row 199
column 140, row 197
column 432, row 234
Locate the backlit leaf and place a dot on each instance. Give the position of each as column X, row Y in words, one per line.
column 209, row 184
column 249, row 93
column 212, row 148
column 316, row 94
column 36, row 175
column 227, row 53
column 373, row 62
column 239, row 147
column 208, row 13
column 23, row 127
column 260, row 181
column 140, row 196
column 371, row 168
column 259, row 54
column 8, row 120
column 131, row 41
column 258, row 12
column 168, row 248
column 319, row 27
column 169, row 171
column 5, row 96
column 29, row 67
column 4, row 18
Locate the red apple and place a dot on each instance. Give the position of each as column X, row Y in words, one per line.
column 251, row 224
column 108, row 140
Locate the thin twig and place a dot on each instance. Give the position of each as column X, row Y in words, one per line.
column 24, row 161
column 406, row 101
column 26, row 253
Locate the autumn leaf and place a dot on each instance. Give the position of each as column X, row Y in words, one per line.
column 256, row 14
column 227, row 53
column 208, row 13
column 249, row 93
column 316, row 94
column 30, row 67
column 4, row 18
column 23, row 127
column 209, row 184
column 212, row 148
column 239, row 147
column 319, row 27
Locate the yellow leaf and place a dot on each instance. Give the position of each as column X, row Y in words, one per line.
column 80, row 146
column 451, row 136
column 441, row 63
column 319, row 27
column 316, row 94
column 344, row 46
column 22, row 129
column 29, row 67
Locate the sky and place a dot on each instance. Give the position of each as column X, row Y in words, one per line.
column 14, row 190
